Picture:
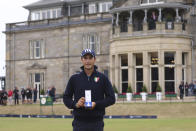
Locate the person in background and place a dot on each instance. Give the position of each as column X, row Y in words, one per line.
column 4, row 97
column 10, row 94
column 186, row 86
column 181, row 88
column 194, row 89
column 35, row 95
column 52, row 93
column 23, row 94
column 29, row 95
column 16, row 95
column 191, row 86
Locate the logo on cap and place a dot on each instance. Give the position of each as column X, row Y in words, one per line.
column 88, row 51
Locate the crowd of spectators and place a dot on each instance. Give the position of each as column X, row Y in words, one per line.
column 26, row 95
column 186, row 89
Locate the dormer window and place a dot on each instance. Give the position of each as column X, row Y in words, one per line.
column 105, row 6
column 92, row 8
column 46, row 14
column 150, row 2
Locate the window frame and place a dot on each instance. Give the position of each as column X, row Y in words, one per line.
column 52, row 13
column 87, row 43
column 151, row 3
column 92, row 8
column 34, row 48
column 108, row 5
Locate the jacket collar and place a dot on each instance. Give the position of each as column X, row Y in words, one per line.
column 95, row 69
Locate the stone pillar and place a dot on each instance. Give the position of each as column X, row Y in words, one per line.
column 117, row 19
column 161, row 70
column 69, row 10
column 82, row 17
column 177, row 15
column 145, row 17
column 178, row 66
column 130, row 18
column 117, row 73
column 82, row 8
column 130, row 26
column 112, row 19
column 146, row 70
column 130, row 29
column 189, row 63
column 177, row 27
column 160, row 17
column 112, row 69
column 131, row 70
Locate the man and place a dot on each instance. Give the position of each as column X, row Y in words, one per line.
column 52, row 93
column 23, row 93
column 181, row 88
column 35, row 95
column 102, row 95
column 16, row 95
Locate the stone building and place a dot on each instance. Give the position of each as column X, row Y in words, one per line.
column 136, row 42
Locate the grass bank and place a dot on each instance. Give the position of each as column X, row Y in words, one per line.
column 162, row 110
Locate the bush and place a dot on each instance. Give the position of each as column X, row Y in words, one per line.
column 129, row 89
column 115, row 89
column 42, row 92
column 144, row 89
column 158, row 89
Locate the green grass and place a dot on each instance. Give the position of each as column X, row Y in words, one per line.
column 40, row 124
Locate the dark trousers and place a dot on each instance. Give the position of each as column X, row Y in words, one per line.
column 16, row 100
column 87, row 126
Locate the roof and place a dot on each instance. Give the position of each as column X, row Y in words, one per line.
column 48, row 3
column 136, row 7
column 52, row 3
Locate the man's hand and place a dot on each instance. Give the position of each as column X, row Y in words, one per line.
column 80, row 102
column 93, row 105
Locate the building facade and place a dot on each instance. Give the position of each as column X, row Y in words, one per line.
column 137, row 42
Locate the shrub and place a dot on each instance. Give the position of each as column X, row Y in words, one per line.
column 115, row 89
column 129, row 89
column 158, row 89
column 144, row 89
column 42, row 92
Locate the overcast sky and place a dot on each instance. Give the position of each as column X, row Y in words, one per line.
column 11, row 11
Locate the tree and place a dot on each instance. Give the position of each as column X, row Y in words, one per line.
column 129, row 89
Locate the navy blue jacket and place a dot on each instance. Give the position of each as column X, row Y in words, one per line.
column 101, row 93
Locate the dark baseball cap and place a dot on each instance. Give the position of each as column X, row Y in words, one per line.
column 87, row 51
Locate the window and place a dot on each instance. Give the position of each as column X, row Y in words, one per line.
column 169, row 71
column 139, row 71
column 154, row 70
column 92, row 8
column 184, row 66
column 92, row 41
column 36, row 49
column 124, row 72
column 46, row 14
column 105, row 7
column 147, row 2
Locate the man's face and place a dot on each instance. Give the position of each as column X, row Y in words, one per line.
column 88, row 61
